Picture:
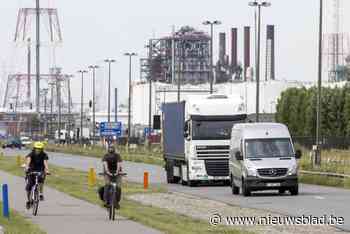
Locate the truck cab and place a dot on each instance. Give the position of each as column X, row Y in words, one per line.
column 262, row 157
column 197, row 136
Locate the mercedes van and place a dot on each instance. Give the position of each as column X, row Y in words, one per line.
column 262, row 157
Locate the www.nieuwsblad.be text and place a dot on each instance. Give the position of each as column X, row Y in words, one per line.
column 218, row 219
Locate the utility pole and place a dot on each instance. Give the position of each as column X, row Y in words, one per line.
column 319, row 90
column 69, row 109
column 29, row 66
column 211, row 24
column 150, row 49
column 116, row 104
column 37, row 56
column 51, row 110
column 93, row 68
column 109, row 61
column 59, row 102
column 130, row 55
column 81, row 105
column 257, row 62
column 45, row 92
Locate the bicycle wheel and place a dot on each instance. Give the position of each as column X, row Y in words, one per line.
column 35, row 201
column 112, row 206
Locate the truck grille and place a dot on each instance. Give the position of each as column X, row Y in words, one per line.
column 212, row 151
column 272, row 172
column 217, row 167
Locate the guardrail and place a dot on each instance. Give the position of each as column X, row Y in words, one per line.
column 329, row 174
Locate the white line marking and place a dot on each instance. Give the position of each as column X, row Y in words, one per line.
column 319, row 197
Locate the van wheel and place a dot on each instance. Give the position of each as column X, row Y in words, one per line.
column 294, row 190
column 192, row 183
column 281, row 191
column 235, row 189
column 245, row 190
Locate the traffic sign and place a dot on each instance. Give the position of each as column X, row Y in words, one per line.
column 147, row 132
column 109, row 129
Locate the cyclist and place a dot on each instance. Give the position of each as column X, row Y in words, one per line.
column 36, row 161
column 111, row 164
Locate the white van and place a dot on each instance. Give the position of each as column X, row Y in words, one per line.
column 262, row 157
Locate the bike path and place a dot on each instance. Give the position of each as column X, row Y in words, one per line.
column 61, row 213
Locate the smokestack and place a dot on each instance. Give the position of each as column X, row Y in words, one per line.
column 234, row 42
column 246, row 50
column 270, row 53
column 222, row 47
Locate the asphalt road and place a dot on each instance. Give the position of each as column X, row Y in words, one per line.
column 312, row 200
column 61, row 213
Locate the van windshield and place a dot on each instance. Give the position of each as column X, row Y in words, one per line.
column 268, row 148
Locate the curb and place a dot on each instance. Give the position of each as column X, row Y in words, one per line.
column 1, row 230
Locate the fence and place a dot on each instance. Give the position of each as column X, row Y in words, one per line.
column 327, row 142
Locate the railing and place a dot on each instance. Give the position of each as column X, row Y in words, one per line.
column 327, row 142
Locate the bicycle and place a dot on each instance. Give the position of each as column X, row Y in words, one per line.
column 112, row 194
column 34, row 192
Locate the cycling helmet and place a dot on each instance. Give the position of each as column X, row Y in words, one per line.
column 38, row 145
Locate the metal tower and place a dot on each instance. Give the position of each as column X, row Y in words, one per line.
column 25, row 87
column 336, row 43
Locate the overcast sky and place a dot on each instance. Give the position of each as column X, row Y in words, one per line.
column 94, row 30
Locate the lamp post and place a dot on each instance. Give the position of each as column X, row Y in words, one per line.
column 130, row 55
column 93, row 68
column 109, row 61
column 82, row 103
column 212, row 24
column 257, row 62
column 319, row 89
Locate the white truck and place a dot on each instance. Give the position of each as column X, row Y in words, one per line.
column 196, row 137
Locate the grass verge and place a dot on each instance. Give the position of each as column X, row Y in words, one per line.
column 135, row 155
column 325, row 181
column 74, row 183
column 17, row 224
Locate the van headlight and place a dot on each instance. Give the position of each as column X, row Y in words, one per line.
column 251, row 171
column 293, row 170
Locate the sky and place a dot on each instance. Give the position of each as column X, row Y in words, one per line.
column 95, row 30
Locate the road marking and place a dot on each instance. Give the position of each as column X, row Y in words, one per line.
column 319, row 197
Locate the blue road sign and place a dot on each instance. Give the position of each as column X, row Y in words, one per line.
column 147, row 132
column 110, row 129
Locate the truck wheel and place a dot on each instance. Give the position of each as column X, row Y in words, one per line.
column 245, row 190
column 235, row 189
column 169, row 167
column 281, row 191
column 294, row 190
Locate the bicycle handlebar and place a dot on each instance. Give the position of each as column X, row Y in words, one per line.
column 115, row 174
column 37, row 173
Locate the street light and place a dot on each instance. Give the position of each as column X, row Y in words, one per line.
column 109, row 61
column 45, row 92
column 319, row 89
column 93, row 68
column 130, row 55
column 82, row 103
column 211, row 23
column 257, row 62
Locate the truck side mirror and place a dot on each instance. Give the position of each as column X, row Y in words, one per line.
column 239, row 156
column 298, row 154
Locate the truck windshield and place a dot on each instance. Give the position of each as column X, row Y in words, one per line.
column 268, row 148
column 211, row 130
